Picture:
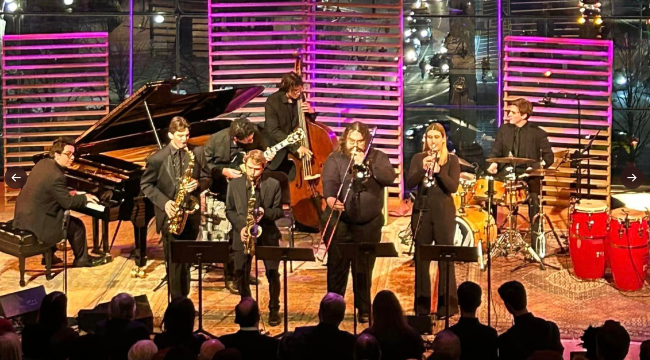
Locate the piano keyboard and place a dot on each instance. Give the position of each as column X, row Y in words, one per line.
column 96, row 207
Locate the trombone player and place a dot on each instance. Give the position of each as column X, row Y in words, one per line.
column 361, row 219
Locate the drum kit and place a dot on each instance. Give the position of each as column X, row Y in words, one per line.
column 475, row 226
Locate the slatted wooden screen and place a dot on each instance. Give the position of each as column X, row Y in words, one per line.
column 194, row 30
column 52, row 85
column 577, row 66
column 351, row 51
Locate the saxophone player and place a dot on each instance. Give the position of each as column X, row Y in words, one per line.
column 249, row 199
column 160, row 183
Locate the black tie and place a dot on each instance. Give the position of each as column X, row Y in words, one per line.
column 515, row 146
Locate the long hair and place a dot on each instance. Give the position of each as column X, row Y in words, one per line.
column 387, row 314
column 179, row 317
column 353, row 126
column 290, row 81
column 53, row 313
column 443, row 156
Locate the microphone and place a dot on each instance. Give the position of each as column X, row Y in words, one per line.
column 546, row 100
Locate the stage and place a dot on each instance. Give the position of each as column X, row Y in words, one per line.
column 552, row 294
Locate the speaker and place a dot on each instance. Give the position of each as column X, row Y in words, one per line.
column 421, row 323
column 87, row 319
column 23, row 303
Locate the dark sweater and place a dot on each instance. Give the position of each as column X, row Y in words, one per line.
column 527, row 335
column 477, row 341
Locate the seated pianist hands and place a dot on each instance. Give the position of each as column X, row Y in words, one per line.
column 42, row 202
column 92, row 202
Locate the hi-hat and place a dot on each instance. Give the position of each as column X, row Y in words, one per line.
column 510, row 160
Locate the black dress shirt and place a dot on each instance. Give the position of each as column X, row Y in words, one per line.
column 324, row 342
column 446, row 183
column 252, row 345
column 371, row 199
column 477, row 341
column 532, row 142
column 222, row 151
column 527, row 335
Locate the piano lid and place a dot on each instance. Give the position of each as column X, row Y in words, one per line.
column 128, row 124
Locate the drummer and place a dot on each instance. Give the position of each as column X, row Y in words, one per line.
column 520, row 138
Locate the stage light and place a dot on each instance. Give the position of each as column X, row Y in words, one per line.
column 598, row 21
column 8, row 1
column 635, row 141
column 598, row 4
column 621, row 80
column 424, row 33
column 582, row 10
column 12, row 6
column 408, row 33
column 159, row 19
column 444, row 68
column 68, row 2
column 581, row 20
column 409, row 18
column 548, row 73
column 411, row 55
column 443, row 50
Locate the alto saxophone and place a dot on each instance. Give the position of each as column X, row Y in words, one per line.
column 184, row 205
column 252, row 229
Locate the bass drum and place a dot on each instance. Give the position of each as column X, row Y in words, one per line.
column 471, row 230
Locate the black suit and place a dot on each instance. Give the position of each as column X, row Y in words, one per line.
column 477, row 341
column 324, row 342
column 530, row 142
column 268, row 197
column 527, row 335
column 41, row 205
column 280, row 119
column 158, row 184
column 118, row 335
column 252, row 345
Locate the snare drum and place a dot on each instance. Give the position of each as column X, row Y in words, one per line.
column 627, row 248
column 465, row 191
column 587, row 234
column 471, row 230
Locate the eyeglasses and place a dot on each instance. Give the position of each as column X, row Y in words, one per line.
column 68, row 154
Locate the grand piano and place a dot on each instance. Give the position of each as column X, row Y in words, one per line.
column 111, row 154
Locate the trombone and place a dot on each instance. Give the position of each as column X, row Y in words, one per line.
column 347, row 193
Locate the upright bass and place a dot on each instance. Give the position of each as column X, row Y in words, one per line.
column 307, row 188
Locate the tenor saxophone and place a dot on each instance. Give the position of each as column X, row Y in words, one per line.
column 184, row 205
column 252, row 229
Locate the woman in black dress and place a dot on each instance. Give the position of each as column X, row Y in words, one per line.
column 436, row 224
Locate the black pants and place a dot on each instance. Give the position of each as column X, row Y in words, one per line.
column 219, row 186
column 438, row 226
column 338, row 267
column 178, row 274
column 77, row 238
column 243, row 264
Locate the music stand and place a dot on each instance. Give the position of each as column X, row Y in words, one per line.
column 185, row 251
column 353, row 251
column 447, row 254
column 284, row 254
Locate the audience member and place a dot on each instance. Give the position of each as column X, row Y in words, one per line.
column 248, row 340
column 10, row 346
column 50, row 338
column 120, row 331
column 612, row 341
column 178, row 327
column 209, row 348
column 476, row 340
column 398, row 340
column 446, row 345
column 367, row 347
column 529, row 333
column 644, row 350
column 291, row 347
column 228, row 354
column 546, row 355
column 143, row 350
column 316, row 341
column 85, row 348
column 179, row 353
column 6, row 326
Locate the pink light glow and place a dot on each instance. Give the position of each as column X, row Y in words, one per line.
column 554, row 110
column 351, row 82
column 56, row 76
column 555, row 51
column 349, row 53
column 57, row 104
column 337, row 119
column 257, row 23
column 546, row 89
column 54, row 56
column 254, row 4
column 80, row 35
column 555, row 61
column 546, row 40
column 55, row 66
column 251, row 71
column 246, row 81
column 351, row 43
column 57, row 86
column 55, row 47
column 297, row 13
column 351, row 72
column 253, row 62
column 393, row 64
column 256, row 33
column 350, row 34
column 254, row 52
column 258, row 42
column 315, row 89
column 555, row 71
column 352, row 24
column 353, row 101
column 57, row 114
column 57, row 95
column 357, row 111
column 554, row 81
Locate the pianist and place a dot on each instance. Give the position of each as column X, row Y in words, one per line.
column 42, row 202
column 159, row 184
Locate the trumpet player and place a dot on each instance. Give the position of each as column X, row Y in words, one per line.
column 436, row 173
column 360, row 216
column 265, row 196
column 160, row 184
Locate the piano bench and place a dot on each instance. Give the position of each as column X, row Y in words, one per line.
column 23, row 244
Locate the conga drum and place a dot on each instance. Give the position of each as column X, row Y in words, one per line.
column 627, row 248
column 587, row 236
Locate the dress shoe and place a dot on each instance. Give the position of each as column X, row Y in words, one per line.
column 363, row 318
column 274, row 318
column 88, row 261
column 55, row 260
column 232, row 287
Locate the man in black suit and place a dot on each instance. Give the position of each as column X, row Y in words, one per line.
column 477, row 341
column 159, row 184
column 281, row 118
column 224, row 153
column 42, row 202
column 267, row 200
column 248, row 340
column 519, row 137
column 121, row 331
column 315, row 342
column 529, row 333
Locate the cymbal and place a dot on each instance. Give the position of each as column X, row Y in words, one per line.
column 541, row 172
column 464, row 162
column 510, row 160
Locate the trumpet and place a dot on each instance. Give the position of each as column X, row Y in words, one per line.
column 429, row 177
